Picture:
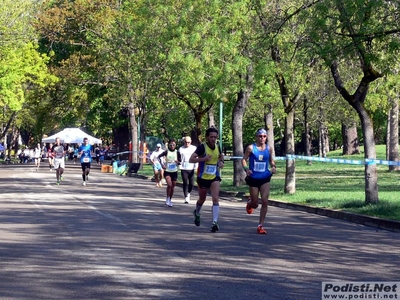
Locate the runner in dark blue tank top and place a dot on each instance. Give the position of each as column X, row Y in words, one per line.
column 258, row 175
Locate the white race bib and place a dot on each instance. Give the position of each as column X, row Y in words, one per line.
column 86, row 159
column 210, row 170
column 260, row 166
column 172, row 167
column 185, row 165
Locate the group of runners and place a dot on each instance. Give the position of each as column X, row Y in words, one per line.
column 207, row 160
column 56, row 155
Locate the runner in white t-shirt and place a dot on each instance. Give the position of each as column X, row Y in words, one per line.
column 58, row 151
column 37, row 153
column 187, row 168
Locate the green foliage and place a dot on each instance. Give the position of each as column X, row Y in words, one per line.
column 176, row 60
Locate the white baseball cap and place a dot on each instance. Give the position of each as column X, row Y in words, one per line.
column 158, row 145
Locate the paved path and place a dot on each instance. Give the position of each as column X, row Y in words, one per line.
column 115, row 239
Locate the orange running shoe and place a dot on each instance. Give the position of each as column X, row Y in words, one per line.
column 249, row 209
column 261, row 230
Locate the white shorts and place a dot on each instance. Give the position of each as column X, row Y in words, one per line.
column 59, row 163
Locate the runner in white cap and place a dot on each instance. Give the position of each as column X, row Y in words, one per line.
column 258, row 175
column 158, row 170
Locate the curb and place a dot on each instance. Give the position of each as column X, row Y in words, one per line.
column 375, row 222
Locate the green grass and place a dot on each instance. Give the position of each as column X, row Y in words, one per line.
column 329, row 185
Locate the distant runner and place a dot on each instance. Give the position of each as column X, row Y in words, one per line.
column 86, row 158
column 58, row 152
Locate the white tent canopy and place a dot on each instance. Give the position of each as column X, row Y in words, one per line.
column 71, row 136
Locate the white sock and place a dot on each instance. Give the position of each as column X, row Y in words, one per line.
column 215, row 212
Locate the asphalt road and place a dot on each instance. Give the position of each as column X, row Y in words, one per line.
column 115, row 239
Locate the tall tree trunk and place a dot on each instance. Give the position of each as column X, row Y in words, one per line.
column 15, row 140
column 393, row 129
column 290, row 175
column 388, row 133
column 211, row 119
column 371, row 172
column 237, row 133
column 198, row 133
column 288, row 104
column 323, row 141
column 7, row 126
column 357, row 102
column 269, row 125
column 134, row 132
column 237, row 127
column 351, row 144
column 306, row 140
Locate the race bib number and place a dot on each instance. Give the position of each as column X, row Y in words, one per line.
column 171, row 166
column 210, row 170
column 185, row 165
column 260, row 166
column 86, row 159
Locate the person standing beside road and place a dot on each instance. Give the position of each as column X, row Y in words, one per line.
column 85, row 152
column 172, row 160
column 75, row 153
column 102, row 154
column 44, row 151
column 37, row 154
column 156, row 162
column 210, row 159
column 97, row 152
column 258, row 176
column 187, row 168
column 58, row 152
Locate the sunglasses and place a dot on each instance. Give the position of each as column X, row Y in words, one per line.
column 187, row 142
column 262, row 136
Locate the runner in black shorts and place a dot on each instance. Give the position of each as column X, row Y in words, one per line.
column 85, row 151
column 172, row 160
column 210, row 160
column 258, row 175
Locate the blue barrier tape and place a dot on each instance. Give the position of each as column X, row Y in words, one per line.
column 367, row 161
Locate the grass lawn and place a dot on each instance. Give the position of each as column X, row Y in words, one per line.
column 329, row 185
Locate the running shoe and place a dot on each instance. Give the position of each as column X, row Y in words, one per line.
column 249, row 209
column 168, row 202
column 187, row 200
column 214, row 227
column 61, row 178
column 261, row 230
column 58, row 183
column 196, row 218
column 84, row 183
